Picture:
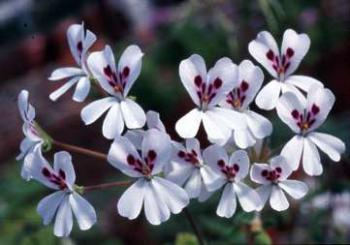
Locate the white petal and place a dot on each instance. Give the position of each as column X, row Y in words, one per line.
column 133, row 114
column 48, row 206
column 75, row 34
column 66, row 72
column 280, row 161
column 259, row 47
column 324, row 99
column 194, row 184
column 228, row 118
column 288, row 103
column 204, row 195
column 299, row 43
column 188, row 125
column 292, row 151
column 83, row 211
column 113, row 124
column 153, row 121
column 217, row 132
column 94, row 110
column 256, row 173
column 180, row 172
column 210, row 178
column 26, row 110
column 63, row 162
column 228, row 203
column 227, row 72
column 247, row 197
column 268, row 96
column 97, row 62
column 302, row 82
column 64, row 88
column 135, row 136
column 120, row 149
column 311, row 159
column 212, row 154
column 130, row 203
column 329, row 144
column 294, row 188
column 131, row 58
column 241, row 159
column 174, row 196
column 264, row 193
column 25, row 170
column 278, row 200
column 253, row 76
column 64, row 219
column 189, row 69
column 160, row 143
column 82, row 89
column 244, row 138
column 260, row 126
column 155, row 208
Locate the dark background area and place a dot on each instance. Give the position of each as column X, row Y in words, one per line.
column 33, row 43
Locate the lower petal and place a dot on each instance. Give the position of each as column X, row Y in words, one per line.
column 264, row 192
column 64, row 88
column 294, row 188
column 292, row 151
column 211, row 180
column 194, row 184
column 228, row 203
column 188, row 125
column 133, row 114
column 268, row 96
column 329, row 144
column 83, row 211
column 113, row 124
column 259, row 125
column 247, row 197
column 94, row 110
column 302, row 82
column 311, row 159
column 82, row 89
column 216, row 131
column 48, row 206
column 243, row 138
column 64, row 219
column 278, row 200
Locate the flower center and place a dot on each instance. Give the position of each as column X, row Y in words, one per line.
column 117, row 82
column 272, row 175
column 280, row 64
column 144, row 167
column 307, row 119
column 206, row 92
column 237, row 96
column 58, row 180
column 229, row 171
column 190, row 157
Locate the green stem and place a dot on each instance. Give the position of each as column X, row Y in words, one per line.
column 194, row 226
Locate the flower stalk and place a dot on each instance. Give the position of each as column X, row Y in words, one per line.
column 194, row 226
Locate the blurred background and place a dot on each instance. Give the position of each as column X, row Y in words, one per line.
column 33, row 43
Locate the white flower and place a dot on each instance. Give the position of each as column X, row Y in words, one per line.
column 250, row 78
column 64, row 200
column 232, row 170
column 189, row 170
column 206, row 91
column 32, row 141
column 274, row 181
column 117, row 83
column 304, row 117
column 79, row 40
column 281, row 64
column 159, row 196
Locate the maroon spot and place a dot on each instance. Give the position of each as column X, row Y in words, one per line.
column 181, row 154
column 236, row 167
column 152, row 155
column 62, row 174
column 312, row 122
column 295, row 114
column 107, row 71
column 221, row 163
column 286, row 66
column 46, row 172
column 278, row 169
column 80, row 46
column 194, row 152
column 198, row 81
column 283, row 59
column 130, row 159
column 290, row 52
column 270, row 55
column 315, row 109
column 244, row 86
column 126, row 71
column 264, row 173
column 217, row 83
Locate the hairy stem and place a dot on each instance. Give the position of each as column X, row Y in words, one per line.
column 80, row 150
column 105, row 185
column 194, row 226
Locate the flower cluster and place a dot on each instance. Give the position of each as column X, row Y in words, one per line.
column 169, row 173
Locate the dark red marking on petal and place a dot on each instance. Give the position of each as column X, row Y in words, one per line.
column 126, row 71
column 198, row 81
column 46, row 172
column 244, row 86
column 270, row 55
column 181, row 154
column 217, row 83
column 315, row 109
column 80, row 46
column 62, row 174
column 130, row 159
column 221, row 163
column 107, row 71
column 264, row 173
column 151, row 155
column 235, row 167
column 295, row 114
column 279, row 169
column 290, row 52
